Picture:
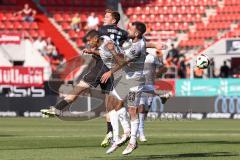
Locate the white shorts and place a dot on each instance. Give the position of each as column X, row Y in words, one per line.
column 146, row 100
column 128, row 89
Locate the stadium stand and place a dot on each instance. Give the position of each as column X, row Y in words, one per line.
column 202, row 21
column 13, row 23
column 192, row 25
column 64, row 10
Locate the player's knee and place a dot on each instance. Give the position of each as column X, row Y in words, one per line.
column 132, row 112
column 109, row 103
column 118, row 104
column 83, row 84
column 70, row 98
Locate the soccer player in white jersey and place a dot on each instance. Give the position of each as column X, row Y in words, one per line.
column 153, row 66
column 129, row 81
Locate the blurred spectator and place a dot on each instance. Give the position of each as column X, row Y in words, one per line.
column 211, row 69
column 27, row 13
column 40, row 45
column 156, row 103
column 182, row 67
column 163, row 69
column 198, row 73
column 172, row 56
column 224, row 70
column 92, row 22
column 188, row 70
column 50, row 50
column 76, row 22
column 62, row 60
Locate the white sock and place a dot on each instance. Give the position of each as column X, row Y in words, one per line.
column 124, row 120
column 134, row 129
column 141, row 124
column 114, row 122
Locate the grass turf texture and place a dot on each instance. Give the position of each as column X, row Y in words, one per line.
column 53, row 139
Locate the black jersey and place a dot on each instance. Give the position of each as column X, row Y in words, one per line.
column 117, row 34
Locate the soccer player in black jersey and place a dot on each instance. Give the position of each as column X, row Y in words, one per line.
column 119, row 36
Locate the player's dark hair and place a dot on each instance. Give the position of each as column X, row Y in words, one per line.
column 141, row 27
column 91, row 34
column 115, row 15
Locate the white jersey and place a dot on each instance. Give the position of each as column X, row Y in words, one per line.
column 137, row 54
column 130, row 79
column 105, row 54
column 151, row 64
column 150, row 67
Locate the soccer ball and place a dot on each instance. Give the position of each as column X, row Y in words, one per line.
column 202, row 61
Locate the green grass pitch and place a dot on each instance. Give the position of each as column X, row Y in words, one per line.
column 53, row 139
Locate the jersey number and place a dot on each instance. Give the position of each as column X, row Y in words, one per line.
column 131, row 96
column 115, row 38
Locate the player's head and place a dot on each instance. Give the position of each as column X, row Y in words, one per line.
column 111, row 17
column 136, row 30
column 92, row 38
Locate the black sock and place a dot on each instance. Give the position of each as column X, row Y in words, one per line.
column 61, row 104
column 109, row 127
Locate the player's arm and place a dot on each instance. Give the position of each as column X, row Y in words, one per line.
column 111, row 47
column 91, row 51
column 161, row 68
column 158, row 46
column 108, row 74
column 121, row 62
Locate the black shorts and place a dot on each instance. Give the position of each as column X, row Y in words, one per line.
column 93, row 77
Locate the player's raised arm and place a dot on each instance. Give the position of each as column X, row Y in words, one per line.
column 91, row 51
column 158, row 46
column 120, row 64
column 112, row 48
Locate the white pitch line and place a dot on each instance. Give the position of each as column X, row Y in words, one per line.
column 150, row 135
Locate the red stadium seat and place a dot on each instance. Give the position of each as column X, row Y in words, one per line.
column 66, row 17
column 72, row 34
column 34, row 25
column 81, row 34
column 58, row 17
column 2, row 25
column 33, row 33
column 138, row 10
column 2, row 17
column 147, row 10
column 9, row 25
column 41, row 33
column 17, row 25
column 80, row 42
column 129, row 11
column 26, row 25
column 66, row 26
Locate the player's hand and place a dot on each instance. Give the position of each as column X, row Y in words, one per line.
column 110, row 46
column 87, row 51
column 161, row 47
column 106, row 76
column 159, row 53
